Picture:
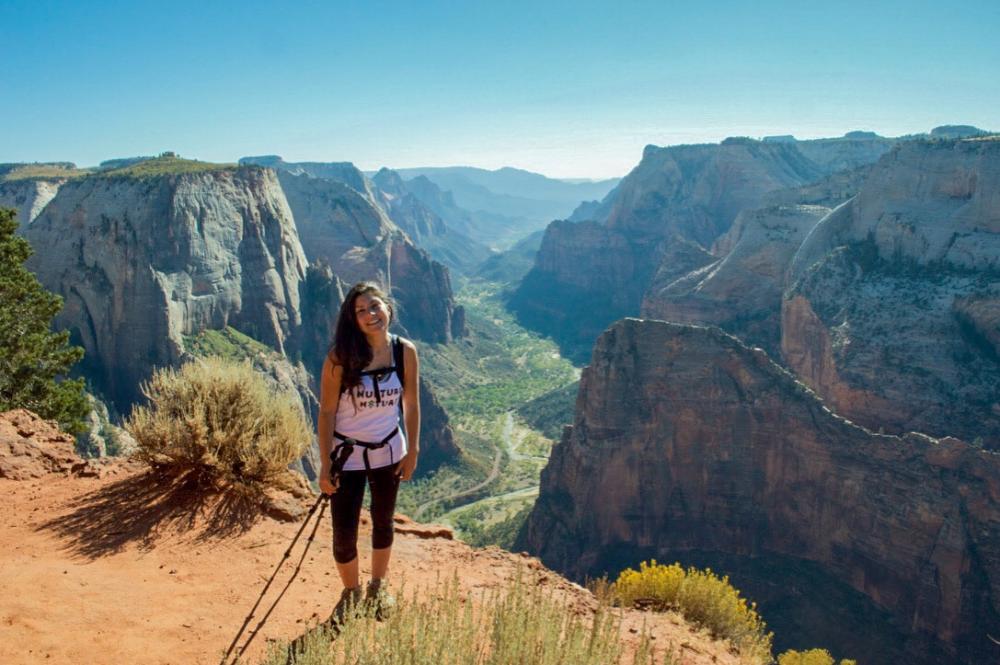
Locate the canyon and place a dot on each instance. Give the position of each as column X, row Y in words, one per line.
column 658, row 224
column 876, row 284
column 819, row 419
column 687, row 441
column 146, row 262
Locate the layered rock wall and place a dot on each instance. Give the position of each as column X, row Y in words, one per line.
column 891, row 308
column 28, row 197
column 348, row 231
column 142, row 262
column 742, row 291
column 656, row 225
column 687, row 440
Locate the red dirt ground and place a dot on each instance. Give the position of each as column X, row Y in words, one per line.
column 124, row 566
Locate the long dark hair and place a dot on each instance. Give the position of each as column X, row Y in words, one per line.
column 350, row 348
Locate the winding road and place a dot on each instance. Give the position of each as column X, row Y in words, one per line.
column 494, row 472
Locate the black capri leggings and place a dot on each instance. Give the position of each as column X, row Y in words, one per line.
column 345, row 509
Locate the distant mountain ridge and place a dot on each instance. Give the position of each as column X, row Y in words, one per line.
column 656, row 225
column 447, row 242
column 518, row 182
column 508, row 204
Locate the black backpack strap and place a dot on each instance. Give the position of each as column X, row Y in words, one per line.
column 397, row 359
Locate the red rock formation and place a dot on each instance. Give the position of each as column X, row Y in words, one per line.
column 32, row 448
column 672, row 206
column 740, row 291
column 687, row 440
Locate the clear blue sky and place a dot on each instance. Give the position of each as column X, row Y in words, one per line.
column 567, row 89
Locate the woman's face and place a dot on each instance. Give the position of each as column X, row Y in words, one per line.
column 371, row 314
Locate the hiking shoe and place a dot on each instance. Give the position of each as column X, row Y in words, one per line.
column 347, row 607
column 379, row 601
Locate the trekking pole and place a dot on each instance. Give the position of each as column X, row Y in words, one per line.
column 281, row 595
column 288, row 553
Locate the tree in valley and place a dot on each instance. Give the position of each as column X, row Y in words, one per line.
column 34, row 360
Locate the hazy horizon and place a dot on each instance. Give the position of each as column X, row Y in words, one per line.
column 568, row 91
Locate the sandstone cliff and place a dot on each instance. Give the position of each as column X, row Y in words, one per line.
column 28, row 197
column 891, row 315
column 141, row 262
column 742, row 291
column 343, row 172
column 346, row 228
column 850, row 151
column 147, row 264
column 425, row 227
column 683, row 196
column 687, row 441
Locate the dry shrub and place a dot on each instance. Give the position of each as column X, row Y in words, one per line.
column 220, row 418
column 702, row 598
column 518, row 625
column 811, row 657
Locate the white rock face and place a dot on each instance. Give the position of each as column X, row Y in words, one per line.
column 142, row 262
column 893, row 311
column 28, row 197
column 923, row 203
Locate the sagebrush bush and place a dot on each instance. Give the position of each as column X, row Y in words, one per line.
column 518, row 625
column 702, row 598
column 219, row 417
column 811, row 657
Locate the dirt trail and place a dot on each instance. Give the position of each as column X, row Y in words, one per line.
column 127, row 568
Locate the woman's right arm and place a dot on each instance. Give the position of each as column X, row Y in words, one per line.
column 329, row 399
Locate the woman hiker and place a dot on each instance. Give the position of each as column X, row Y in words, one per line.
column 368, row 374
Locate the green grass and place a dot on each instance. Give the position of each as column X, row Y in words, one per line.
column 227, row 343
column 42, row 172
column 501, row 367
column 150, row 168
column 161, row 166
column 479, row 527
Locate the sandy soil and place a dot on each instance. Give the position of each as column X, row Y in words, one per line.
column 128, row 567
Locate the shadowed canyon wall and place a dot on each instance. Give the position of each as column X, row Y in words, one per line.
column 341, row 223
column 686, row 440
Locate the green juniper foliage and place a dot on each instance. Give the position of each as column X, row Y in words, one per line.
column 32, row 357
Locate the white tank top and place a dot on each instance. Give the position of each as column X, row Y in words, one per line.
column 370, row 416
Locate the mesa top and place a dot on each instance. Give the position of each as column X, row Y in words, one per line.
column 370, row 412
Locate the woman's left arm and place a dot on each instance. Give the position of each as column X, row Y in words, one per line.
column 411, row 409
